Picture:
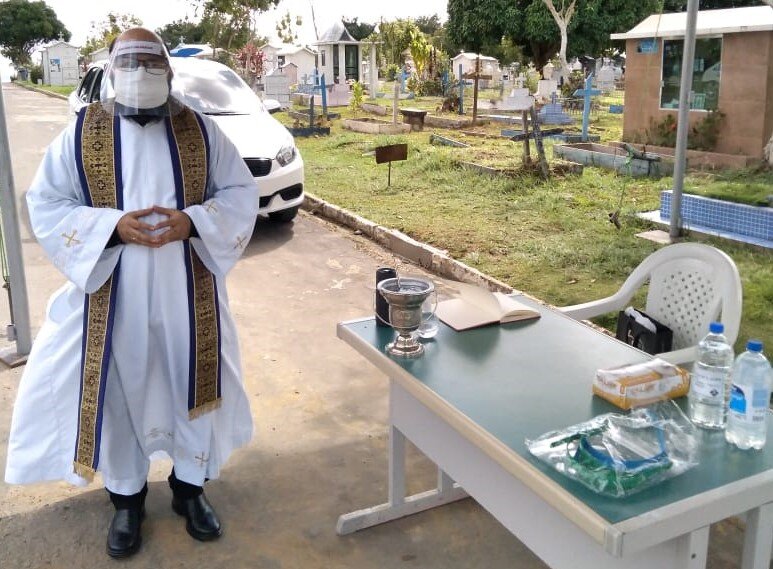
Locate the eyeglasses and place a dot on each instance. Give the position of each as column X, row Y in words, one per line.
column 152, row 67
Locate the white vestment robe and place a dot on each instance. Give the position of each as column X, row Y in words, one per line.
column 146, row 393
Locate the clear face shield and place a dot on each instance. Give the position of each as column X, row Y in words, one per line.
column 137, row 78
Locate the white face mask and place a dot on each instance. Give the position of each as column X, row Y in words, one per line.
column 140, row 90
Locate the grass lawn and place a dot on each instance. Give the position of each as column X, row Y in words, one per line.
column 59, row 89
column 551, row 239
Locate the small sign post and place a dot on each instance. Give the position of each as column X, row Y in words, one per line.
column 389, row 154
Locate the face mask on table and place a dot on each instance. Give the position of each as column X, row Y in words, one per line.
column 140, row 90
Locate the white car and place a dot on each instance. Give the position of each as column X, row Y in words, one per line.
column 265, row 144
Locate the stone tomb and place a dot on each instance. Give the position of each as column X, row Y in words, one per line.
column 546, row 88
column 606, row 79
column 553, row 113
column 519, row 100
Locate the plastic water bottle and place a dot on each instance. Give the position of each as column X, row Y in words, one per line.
column 747, row 425
column 710, row 382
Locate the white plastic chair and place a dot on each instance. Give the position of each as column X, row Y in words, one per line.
column 690, row 285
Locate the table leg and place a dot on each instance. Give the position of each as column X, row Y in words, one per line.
column 757, row 542
column 693, row 549
column 400, row 505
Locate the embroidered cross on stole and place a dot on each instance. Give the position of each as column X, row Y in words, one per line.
column 98, row 157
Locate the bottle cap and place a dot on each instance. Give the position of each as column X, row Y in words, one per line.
column 716, row 328
column 754, row 345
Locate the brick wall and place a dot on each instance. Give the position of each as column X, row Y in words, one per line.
column 745, row 95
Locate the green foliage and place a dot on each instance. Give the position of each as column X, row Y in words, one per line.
column 285, row 30
column 182, row 31
column 704, row 134
column 425, row 87
column 104, row 32
column 358, row 30
column 358, row 94
column 480, row 25
column 228, row 23
column 395, row 37
column 429, row 25
column 36, row 72
column 477, row 24
column 749, row 185
column 24, row 25
column 391, row 72
column 420, row 52
column 576, row 80
column 662, row 132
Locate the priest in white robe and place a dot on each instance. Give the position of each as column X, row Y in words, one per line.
column 144, row 206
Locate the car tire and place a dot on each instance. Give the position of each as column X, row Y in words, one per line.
column 283, row 216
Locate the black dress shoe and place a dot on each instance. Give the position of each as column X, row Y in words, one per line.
column 123, row 537
column 202, row 522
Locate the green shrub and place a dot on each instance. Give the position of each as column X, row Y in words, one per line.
column 704, row 135
column 391, row 71
column 358, row 92
column 576, row 80
column 36, row 72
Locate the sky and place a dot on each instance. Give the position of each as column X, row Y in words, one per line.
column 155, row 13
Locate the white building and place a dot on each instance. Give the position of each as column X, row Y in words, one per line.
column 272, row 61
column 60, row 64
column 339, row 55
column 99, row 54
column 303, row 57
column 488, row 66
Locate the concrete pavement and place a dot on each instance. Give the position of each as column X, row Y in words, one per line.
column 320, row 413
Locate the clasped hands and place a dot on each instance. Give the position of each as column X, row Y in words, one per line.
column 132, row 230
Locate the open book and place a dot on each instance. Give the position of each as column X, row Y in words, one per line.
column 478, row 307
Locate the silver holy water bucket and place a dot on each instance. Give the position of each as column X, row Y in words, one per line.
column 405, row 296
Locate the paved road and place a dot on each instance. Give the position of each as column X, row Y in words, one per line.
column 319, row 409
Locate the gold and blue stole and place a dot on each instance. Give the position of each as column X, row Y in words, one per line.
column 98, row 159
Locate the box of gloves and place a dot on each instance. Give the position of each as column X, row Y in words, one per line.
column 641, row 384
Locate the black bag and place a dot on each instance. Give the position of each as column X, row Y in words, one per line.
column 637, row 329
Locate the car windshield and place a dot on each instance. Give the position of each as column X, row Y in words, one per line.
column 215, row 91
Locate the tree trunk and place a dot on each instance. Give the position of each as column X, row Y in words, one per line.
column 564, row 71
column 562, row 20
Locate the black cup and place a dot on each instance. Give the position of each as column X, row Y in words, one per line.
column 382, row 306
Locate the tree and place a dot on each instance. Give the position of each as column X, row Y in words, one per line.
column 420, row 52
column 475, row 23
column 284, row 28
column 24, row 26
column 562, row 18
column 358, row 30
column 429, row 25
column 395, row 37
column 228, row 23
column 104, row 32
column 252, row 62
column 481, row 25
column 182, row 31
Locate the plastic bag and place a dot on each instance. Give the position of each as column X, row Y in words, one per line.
column 618, row 455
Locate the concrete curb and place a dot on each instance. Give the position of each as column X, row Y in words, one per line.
column 43, row 91
column 426, row 256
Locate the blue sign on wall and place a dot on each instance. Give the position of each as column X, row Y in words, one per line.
column 648, row 45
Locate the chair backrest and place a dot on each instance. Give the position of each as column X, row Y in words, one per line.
column 691, row 285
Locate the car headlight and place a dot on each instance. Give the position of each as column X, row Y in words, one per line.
column 286, row 154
